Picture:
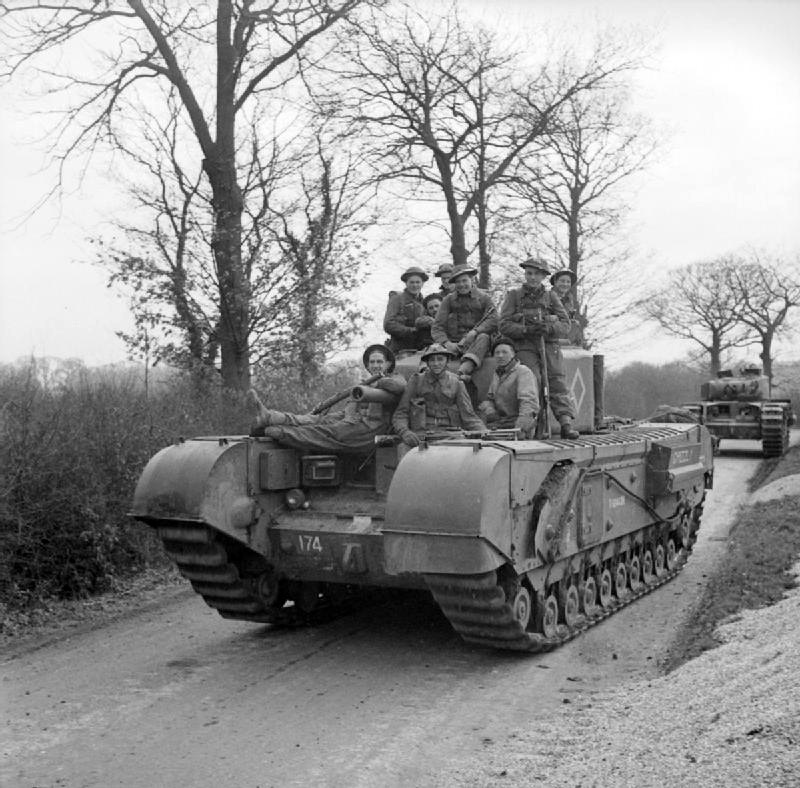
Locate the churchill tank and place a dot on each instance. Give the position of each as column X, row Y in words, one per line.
column 739, row 406
column 522, row 543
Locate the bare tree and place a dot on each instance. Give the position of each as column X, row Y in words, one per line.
column 451, row 110
column 698, row 303
column 570, row 197
column 257, row 48
column 765, row 288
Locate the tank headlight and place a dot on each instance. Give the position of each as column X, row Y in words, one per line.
column 296, row 499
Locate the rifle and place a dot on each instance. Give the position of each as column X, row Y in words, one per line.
column 543, row 419
column 327, row 404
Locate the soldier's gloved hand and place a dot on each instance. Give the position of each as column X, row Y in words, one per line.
column 424, row 321
column 535, row 328
column 410, row 438
column 468, row 338
column 452, row 347
column 526, row 424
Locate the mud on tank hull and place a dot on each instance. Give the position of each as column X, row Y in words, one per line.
column 523, row 544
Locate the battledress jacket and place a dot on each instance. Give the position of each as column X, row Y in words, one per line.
column 352, row 430
column 513, row 394
column 435, row 402
column 524, row 307
column 459, row 314
column 399, row 322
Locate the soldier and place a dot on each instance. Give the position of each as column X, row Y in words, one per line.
column 465, row 322
column 403, row 310
column 352, row 430
column 513, row 397
column 536, row 320
column 434, row 400
column 431, row 302
column 444, row 272
column 563, row 282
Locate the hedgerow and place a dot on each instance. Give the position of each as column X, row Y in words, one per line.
column 73, row 442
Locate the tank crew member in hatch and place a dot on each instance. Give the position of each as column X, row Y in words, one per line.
column 563, row 283
column 533, row 316
column 434, row 400
column 403, row 310
column 352, row 430
column 513, row 397
column 466, row 321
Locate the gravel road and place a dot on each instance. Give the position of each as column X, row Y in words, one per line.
column 388, row 696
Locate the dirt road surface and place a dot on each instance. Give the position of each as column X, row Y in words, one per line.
column 389, row 696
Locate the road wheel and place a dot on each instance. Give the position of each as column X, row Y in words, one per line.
column 547, row 615
column 621, row 581
column 522, row 607
column 570, row 605
column 660, row 565
column 606, row 588
column 635, row 573
column 589, row 597
column 648, row 567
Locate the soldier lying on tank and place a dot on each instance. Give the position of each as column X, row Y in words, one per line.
column 434, row 400
column 563, row 283
column 402, row 312
column 465, row 322
column 535, row 319
column 512, row 401
column 432, row 302
column 368, row 413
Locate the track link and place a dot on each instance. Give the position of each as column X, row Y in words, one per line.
column 477, row 608
column 774, row 431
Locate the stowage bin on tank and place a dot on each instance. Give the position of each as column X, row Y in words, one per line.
column 523, row 544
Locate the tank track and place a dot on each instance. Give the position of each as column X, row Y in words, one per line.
column 203, row 559
column 774, row 431
column 479, row 609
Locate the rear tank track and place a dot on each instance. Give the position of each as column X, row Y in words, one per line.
column 204, row 559
column 774, row 431
column 483, row 612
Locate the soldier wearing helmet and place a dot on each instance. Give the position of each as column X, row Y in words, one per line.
column 529, row 315
column 466, row 320
column 403, row 310
column 512, row 401
column 434, row 400
column 367, row 413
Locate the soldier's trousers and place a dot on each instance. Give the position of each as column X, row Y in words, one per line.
column 328, row 433
column 561, row 402
column 477, row 351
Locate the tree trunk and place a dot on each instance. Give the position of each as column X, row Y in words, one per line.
column 234, row 287
column 766, row 354
column 716, row 353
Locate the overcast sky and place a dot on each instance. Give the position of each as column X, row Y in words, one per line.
column 726, row 82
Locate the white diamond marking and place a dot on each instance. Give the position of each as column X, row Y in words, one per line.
column 578, row 385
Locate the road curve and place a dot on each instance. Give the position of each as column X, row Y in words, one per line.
column 388, row 696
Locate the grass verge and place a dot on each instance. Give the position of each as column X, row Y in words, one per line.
column 763, row 546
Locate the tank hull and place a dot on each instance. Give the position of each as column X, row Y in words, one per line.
column 511, row 537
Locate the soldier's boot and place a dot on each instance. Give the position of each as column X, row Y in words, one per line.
column 264, row 416
column 465, row 370
column 567, row 430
